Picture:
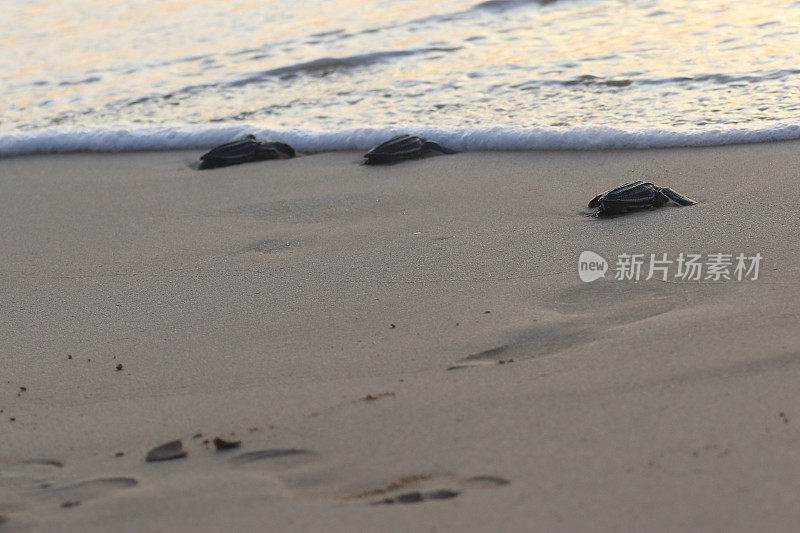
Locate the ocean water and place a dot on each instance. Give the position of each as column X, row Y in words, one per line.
column 344, row 74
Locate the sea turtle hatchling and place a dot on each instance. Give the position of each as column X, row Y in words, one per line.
column 403, row 147
column 245, row 150
column 636, row 195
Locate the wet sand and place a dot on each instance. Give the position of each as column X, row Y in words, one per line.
column 414, row 337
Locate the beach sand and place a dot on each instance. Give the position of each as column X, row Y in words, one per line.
column 350, row 322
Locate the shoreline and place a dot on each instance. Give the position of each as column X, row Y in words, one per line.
column 318, row 305
column 126, row 138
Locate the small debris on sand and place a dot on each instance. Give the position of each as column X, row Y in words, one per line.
column 119, row 454
column 487, row 481
column 70, row 504
column 119, row 367
column 417, row 497
column 166, row 452
column 197, row 435
column 442, row 494
column 69, row 356
column 409, row 497
column 222, row 444
column 373, row 397
column 392, row 326
column 394, row 485
column 23, row 389
column 784, row 417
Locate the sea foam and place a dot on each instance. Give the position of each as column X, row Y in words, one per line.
column 125, row 138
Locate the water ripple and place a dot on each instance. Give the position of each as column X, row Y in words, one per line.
column 452, row 63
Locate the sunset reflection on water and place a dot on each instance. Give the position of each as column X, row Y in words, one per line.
column 345, row 62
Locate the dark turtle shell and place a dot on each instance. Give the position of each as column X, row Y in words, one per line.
column 245, row 150
column 636, row 195
column 402, row 147
column 274, row 150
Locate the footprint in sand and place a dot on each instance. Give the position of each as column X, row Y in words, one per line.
column 419, row 488
column 276, row 466
column 273, row 460
column 276, row 245
column 536, row 341
column 577, row 316
column 287, row 465
column 300, row 211
column 28, row 475
column 20, row 481
column 33, row 483
column 83, row 491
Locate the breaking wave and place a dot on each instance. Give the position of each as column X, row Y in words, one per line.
column 124, row 138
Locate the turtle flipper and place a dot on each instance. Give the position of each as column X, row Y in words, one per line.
column 436, row 147
column 677, row 198
column 232, row 153
column 595, row 202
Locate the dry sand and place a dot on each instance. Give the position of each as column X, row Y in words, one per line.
column 312, row 308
